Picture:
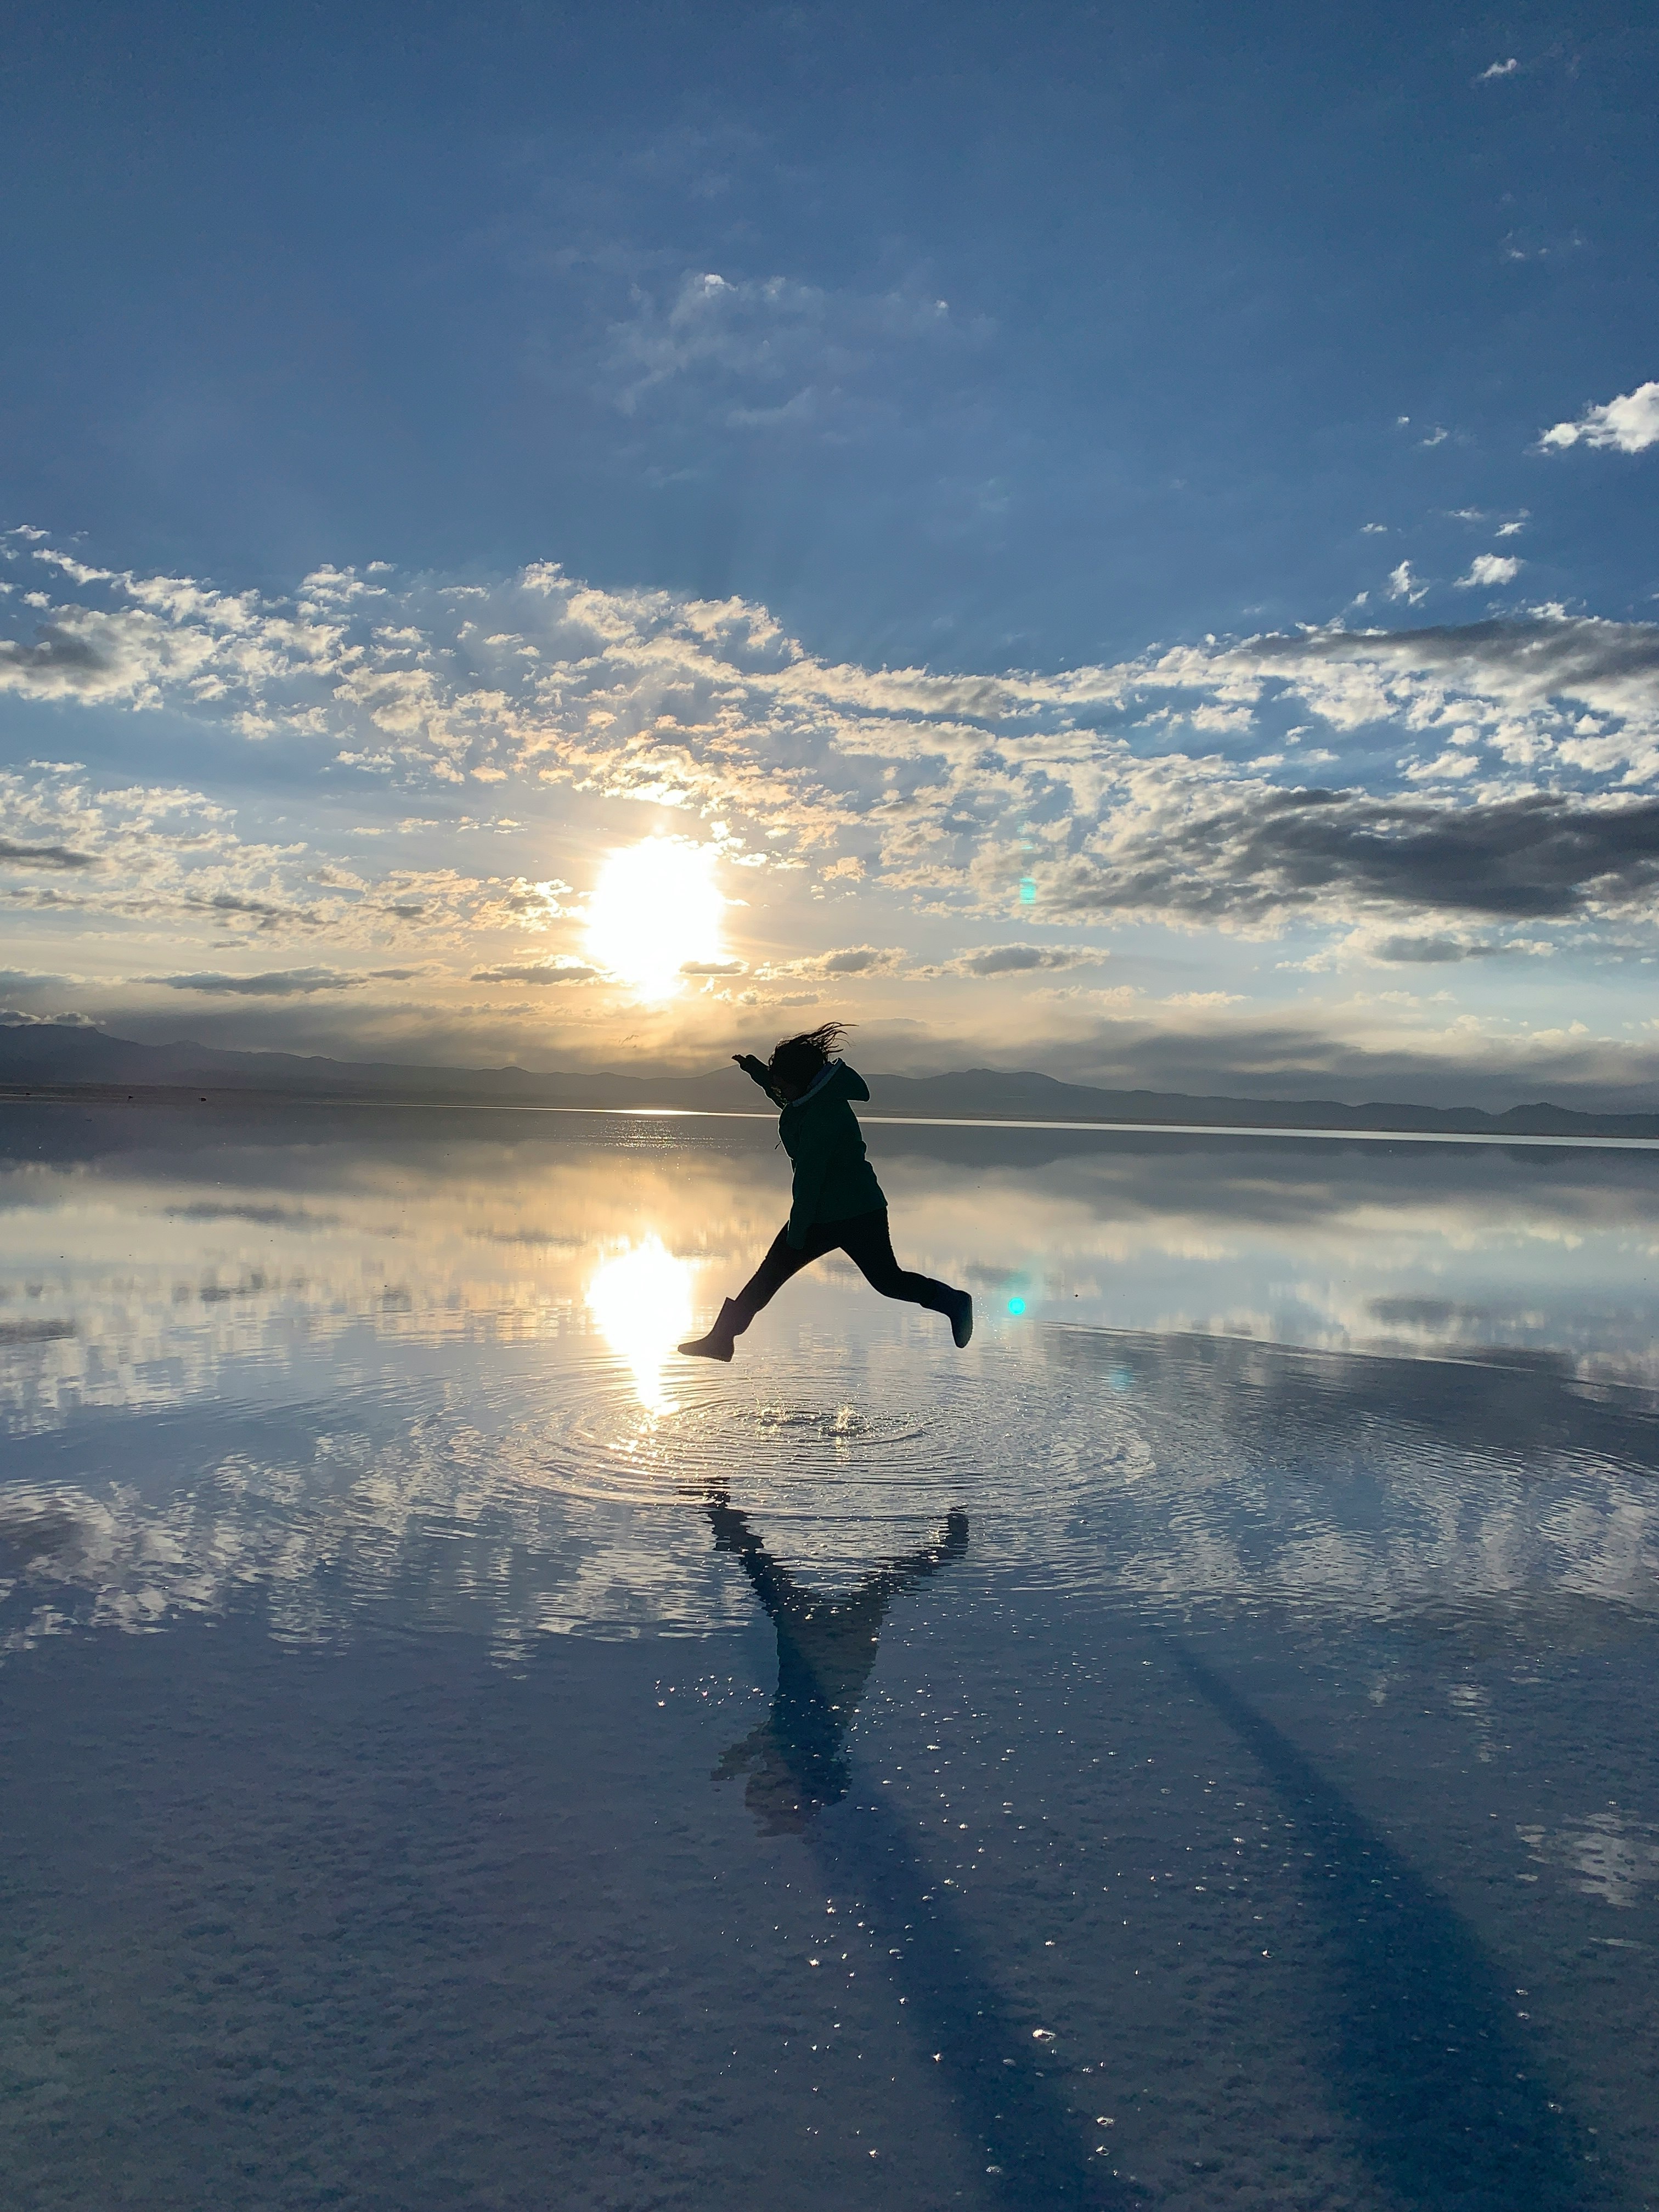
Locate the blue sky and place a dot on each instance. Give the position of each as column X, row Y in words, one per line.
column 1145, row 361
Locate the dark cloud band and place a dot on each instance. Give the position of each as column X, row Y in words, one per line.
column 1545, row 856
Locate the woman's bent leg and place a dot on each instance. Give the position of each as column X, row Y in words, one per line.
column 868, row 1244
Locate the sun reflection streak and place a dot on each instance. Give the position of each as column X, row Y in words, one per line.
column 642, row 1302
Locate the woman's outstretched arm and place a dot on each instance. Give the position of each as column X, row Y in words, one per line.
column 756, row 1070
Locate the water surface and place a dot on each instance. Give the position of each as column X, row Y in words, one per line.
column 1194, row 1747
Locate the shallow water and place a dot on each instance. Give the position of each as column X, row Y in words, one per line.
column 1194, row 1747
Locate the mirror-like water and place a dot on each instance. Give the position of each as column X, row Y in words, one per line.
column 1194, row 1747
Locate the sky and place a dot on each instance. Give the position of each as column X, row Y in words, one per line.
column 1116, row 540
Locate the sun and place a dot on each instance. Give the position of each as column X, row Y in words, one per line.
column 655, row 907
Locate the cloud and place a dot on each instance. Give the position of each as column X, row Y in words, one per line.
column 848, row 960
column 712, row 967
column 1021, row 959
column 1152, row 786
column 1403, row 585
column 845, row 962
column 1283, row 851
column 272, row 983
column 1425, row 951
column 135, row 854
column 264, row 911
column 1512, row 667
column 54, row 663
column 1497, row 69
column 15, row 855
column 539, row 971
column 1491, row 569
column 1629, row 424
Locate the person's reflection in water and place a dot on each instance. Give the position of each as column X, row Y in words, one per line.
column 796, row 1760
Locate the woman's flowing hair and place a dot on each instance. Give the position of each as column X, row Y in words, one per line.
column 798, row 1060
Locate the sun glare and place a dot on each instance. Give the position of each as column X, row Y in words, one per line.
column 654, row 907
column 642, row 1302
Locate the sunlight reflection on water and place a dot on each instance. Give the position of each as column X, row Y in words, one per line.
column 642, row 1301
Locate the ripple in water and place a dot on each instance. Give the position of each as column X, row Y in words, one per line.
column 547, row 1497
column 849, row 1462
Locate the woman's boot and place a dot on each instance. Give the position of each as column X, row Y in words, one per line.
column 719, row 1341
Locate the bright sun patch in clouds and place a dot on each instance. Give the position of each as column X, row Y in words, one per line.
column 655, row 909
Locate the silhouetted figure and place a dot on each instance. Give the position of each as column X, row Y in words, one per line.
column 796, row 1758
column 837, row 1203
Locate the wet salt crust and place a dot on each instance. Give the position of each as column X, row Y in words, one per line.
column 457, row 1754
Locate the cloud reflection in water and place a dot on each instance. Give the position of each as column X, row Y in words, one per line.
column 425, row 1372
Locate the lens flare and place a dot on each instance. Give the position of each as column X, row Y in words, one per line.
column 654, row 907
column 641, row 1301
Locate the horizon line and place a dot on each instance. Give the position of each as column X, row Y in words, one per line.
column 1289, row 1135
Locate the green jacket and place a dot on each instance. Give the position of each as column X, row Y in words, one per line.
column 820, row 1132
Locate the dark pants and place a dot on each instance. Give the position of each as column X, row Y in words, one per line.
column 864, row 1238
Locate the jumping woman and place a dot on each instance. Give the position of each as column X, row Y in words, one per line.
column 837, row 1204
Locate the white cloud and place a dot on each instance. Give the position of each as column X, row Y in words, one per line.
column 1403, row 585
column 1489, row 569
column 1629, row 424
column 939, row 789
column 1497, row 70
column 1448, row 767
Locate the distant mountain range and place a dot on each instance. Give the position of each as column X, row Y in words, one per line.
column 58, row 1061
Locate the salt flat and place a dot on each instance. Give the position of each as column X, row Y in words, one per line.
column 1192, row 1747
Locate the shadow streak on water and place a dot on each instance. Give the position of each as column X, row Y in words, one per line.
column 1447, row 2109
column 795, row 1759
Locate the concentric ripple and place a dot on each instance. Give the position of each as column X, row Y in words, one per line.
column 845, row 1449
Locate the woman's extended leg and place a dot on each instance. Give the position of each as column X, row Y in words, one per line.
column 868, row 1244
column 783, row 1259
column 781, row 1262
